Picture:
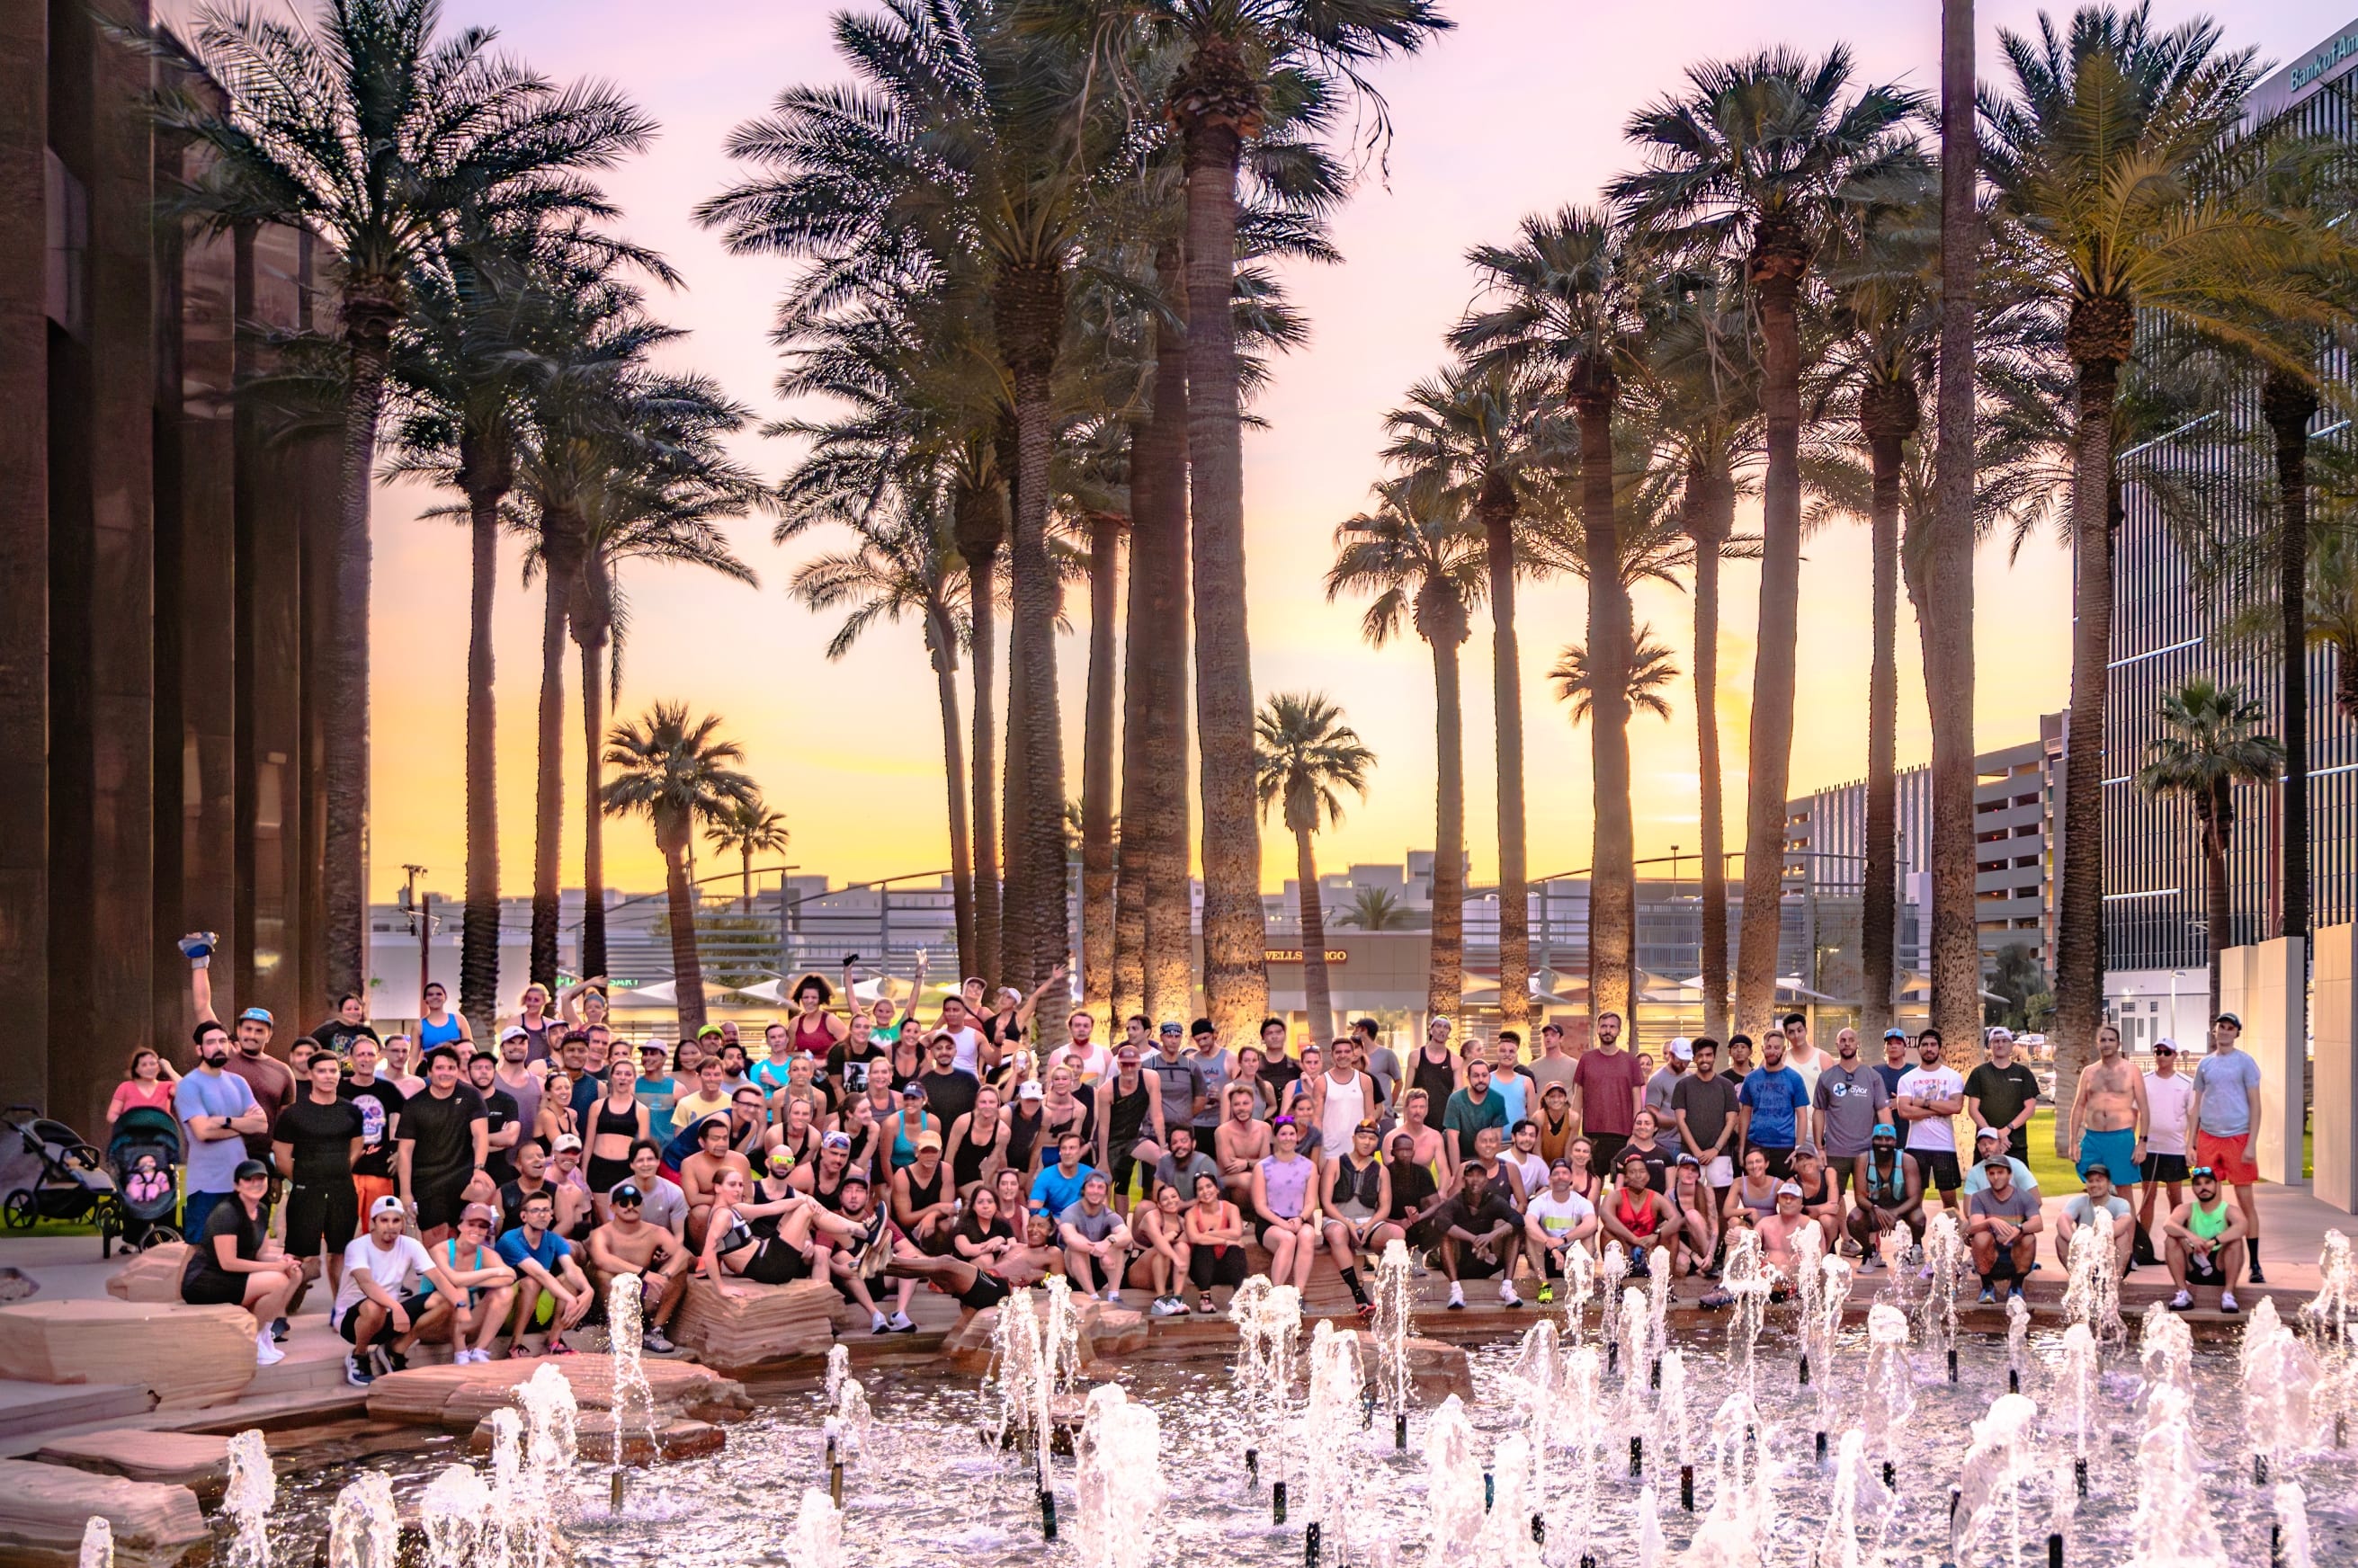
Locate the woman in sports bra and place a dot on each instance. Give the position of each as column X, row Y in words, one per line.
column 616, row 1121
column 977, row 1142
column 859, row 1129
column 1586, row 1181
column 1755, row 1190
column 815, row 1030
column 1555, row 1123
column 766, row 1241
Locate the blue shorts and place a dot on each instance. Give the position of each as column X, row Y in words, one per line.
column 2112, row 1150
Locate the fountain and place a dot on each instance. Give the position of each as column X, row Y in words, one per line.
column 2079, row 1398
column 1583, row 1432
column 1736, row 1532
column 1636, row 1324
column 1268, row 1328
column 1118, row 1484
column 1650, row 1541
column 1579, row 1284
column 1999, row 1461
column 2018, row 1337
column 2331, row 1320
column 1890, row 1386
column 252, row 1493
column 2292, row 1548
column 1506, row 1537
column 1744, row 1275
column 1658, row 1314
column 532, row 1466
column 364, row 1528
column 1671, row 1411
column 1946, row 1258
column 838, row 1366
column 2173, row 1527
column 1330, row 1421
column 1609, row 1274
column 2280, row 1380
column 1454, row 1503
column 2093, row 1293
column 456, row 1514
column 817, row 1539
column 625, row 1299
column 1838, row 1545
column 1024, row 1415
column 97, row 1544
column 1394, row 1324
column 1820, row 1332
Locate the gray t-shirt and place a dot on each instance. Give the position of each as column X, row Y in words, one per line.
column 2076, row 1207
column 1708, row 1103
column 1852, row 1100
column 2017, row 1205
column 1383, row 1065
column 1658, row 1091
column 2227, row 1080
column 1093, row 1227
column 1546, row 1070
column 1198, row 1165
column 1215, row 1071
column 1183, row 1080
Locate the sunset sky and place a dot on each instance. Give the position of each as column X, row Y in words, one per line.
column 1519, row 109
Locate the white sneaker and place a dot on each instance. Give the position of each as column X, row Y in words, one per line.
column 1456, row 1294
column 1113, row 1297
column 1507, row 1294
column 899, row 1322
column 266, row 1354
column 879, row 1324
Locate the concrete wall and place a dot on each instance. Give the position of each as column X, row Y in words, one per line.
column 2266, row 985
column 2334, row 997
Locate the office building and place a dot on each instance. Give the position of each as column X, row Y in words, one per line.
column 160, row 589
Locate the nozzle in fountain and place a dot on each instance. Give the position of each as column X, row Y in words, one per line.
column 1637, row 1456
column 1686, row 1488
column 1310, row 1546
column 1277, row 1502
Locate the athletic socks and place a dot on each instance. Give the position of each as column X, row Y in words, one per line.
column 1358, row 1291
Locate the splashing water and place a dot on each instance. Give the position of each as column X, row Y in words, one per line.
column 1890, row 1390
column 2079, row 1385
column 530, row 1479
column 1658, row 1314
column 2292, row 1526
column 1636, row 1345
column 1330, row 1424
column 854, row 1422
column 363, row 1529
column 2018, row 1334
column 1015, row 1368
column 1822, row 1332
column 1609, row 1275
column 1948, row 1258
column 1838, row 1544
column 1393, row 1326
column 2000, row 1460
column 1670, row 1410
column 838, row 1366
column 2093, row 1295
column 1809, row 1246
column 1505, row 1539
column 1119, row 1485
column 2280, row 1380
column 1651, row 1542
column 817, row 1539
column 2173, row 1527
column 633, row 1397
column 2168, row 1351
column 97, row 1542
column 1579, row 1284
column 1736, row 1532
column 2331, row 1320
column 253, row 1493
column 1453, row 1484
column 1744, row 1275
column 1582, row 1430
column 455, row 1511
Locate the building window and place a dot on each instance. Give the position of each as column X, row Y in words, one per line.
column 69, row 246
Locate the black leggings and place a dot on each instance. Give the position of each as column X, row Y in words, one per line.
column 1208, row 1266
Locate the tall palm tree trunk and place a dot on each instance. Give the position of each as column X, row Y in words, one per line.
column 2080, row 913
column 1498, row 511
column 1235, row 978
column 941, row 649
column 1154, row 803
column 687, row 964
column 344, row 780
column 1878, row 912
column 1030, row 314
column 593, row 817
column 549, row 793
column 979, row 526
column 1945, row 610
column 1712, row 500
column 1317, row 993
column 479, row 942
column 1446, row 973
column 1776, row 279
column 1097, row 773
column 1612, row 886
column 2215, row 823
column 2288, row 404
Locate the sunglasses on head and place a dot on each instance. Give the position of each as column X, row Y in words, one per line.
column 2203, row 1173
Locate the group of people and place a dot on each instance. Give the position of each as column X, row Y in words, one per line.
column 481, row 1192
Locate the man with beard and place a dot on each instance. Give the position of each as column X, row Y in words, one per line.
column 270, row 1080
column 442, row 1144
column 217, row 1113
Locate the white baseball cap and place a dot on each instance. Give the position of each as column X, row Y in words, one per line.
column 1682, row 1049
column 386, row 1206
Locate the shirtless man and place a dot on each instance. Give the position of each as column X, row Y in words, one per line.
column 627, row 1244
column 2109, row 1115
column 1239, row 1143
column 1778, row 1230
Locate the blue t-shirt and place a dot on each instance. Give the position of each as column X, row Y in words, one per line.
column 553, row 1250
column 659, row 1095
column 212, row 1164
column 2227, row 1080
column 1774, row 1097
column 1053, row 1192
column 1512, row 1089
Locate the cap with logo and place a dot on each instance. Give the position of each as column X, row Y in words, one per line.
column 568, row 1142
column 1030, row 1089
column 1682, row 1049
column 258, row 1015
column 626, row 1192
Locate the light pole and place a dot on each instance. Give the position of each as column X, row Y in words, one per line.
column 425, row 933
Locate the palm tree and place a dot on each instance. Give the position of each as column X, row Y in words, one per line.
column 1476, row 435
column 2210, row 742
column 746, row 828
column 292, row 114
column 1237, row 58
column 1753, row 162
column 1649, row 673
column 677, row 774
column 907, row 565
column 1569, row 297
column 1425, row 566
column 1306, row 754
column 2094, row 155
column 2333, row 621
column 1375, row 909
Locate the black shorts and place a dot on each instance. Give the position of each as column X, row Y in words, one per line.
column 986, row 1292
column 1424, row 1235
column 1472, row 1265
column 2202, row 1270
column 415, row 1305
column 1208, row 1267
column 1124, row 1163
column 213, row 1288
column 1941, row 1169
column 605, row 1175
column 1605, row 1149
column 439, row 1198
column 777, row 1262
column 2163, row 1168
column 328, row 1213
column 1262, row 1227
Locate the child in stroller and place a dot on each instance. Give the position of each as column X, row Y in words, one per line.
column 141, row 1151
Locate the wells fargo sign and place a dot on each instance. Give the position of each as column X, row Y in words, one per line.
column 1293, row 955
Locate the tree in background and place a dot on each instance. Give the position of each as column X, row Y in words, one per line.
column 1306, row 754
column 2210, row 742
column 746, row 828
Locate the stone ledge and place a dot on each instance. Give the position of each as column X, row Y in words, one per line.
column 751, row 1326
column 188, row 1355
column 152, row 1277
column 458, row 1398
column 166, row 1458
column 44, row 1509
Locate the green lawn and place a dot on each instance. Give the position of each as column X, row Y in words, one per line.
column 2055, row 1173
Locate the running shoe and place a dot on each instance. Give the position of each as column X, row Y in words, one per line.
column 1507, row 1294
column 1989, row 1297
column 1203, row 1304
column 656, row 1341
column 279, row 1330
column 2257, row 1277
column 1547, row 1292
column 266, row 1354
column 1113, row 1296
column 356, row 1373
column 1456, row 1296
column 900, row 1322
column 878, row 1323
column 2182, row 1301
column 2227, row 1301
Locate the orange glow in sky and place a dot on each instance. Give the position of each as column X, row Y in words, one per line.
column 1519, row 109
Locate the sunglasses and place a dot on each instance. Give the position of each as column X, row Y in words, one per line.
column 626, row 1203
column 2203, row 1173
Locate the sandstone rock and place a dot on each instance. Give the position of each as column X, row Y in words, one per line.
column 679, row 1437
column 752, row 1324
column 460, row 1397
column 187, row 1356
column 151, row 1276
column 1436, row 1370
column 45, row 1508
column 171, row 1458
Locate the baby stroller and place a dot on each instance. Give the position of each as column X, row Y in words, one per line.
column 143, row 1148
column 63, row 1178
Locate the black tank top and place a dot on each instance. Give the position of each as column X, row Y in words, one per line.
column 924, row 1194
column 1359, row 1183
column 766, row 1225
column 1023, row 1138
column 1127, row 1118
column 967, row 1169
column 829, row 1198
column 624, row 1123
column 1437, row 1079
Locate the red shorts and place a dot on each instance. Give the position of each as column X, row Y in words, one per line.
column 2225, row 1155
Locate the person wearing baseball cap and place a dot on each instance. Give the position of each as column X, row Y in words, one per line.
column 1889, row 1184
column 1894, row 1065
column 2225, row 1115
column 225, row 1266
column 2002, row 1223
column 627, row 1244
column 1986, row 1142
column 2169, row 1096
column 466, row 1268
column 2003, row 1094
column 385, row 1304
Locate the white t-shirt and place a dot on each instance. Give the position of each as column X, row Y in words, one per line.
column 396, row 1269
column 1091, row 1066
column 1556, row 1218
column 1934, row 1132
column 1818, row 1063
column 1531, row 1167
column 2167, row 1102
